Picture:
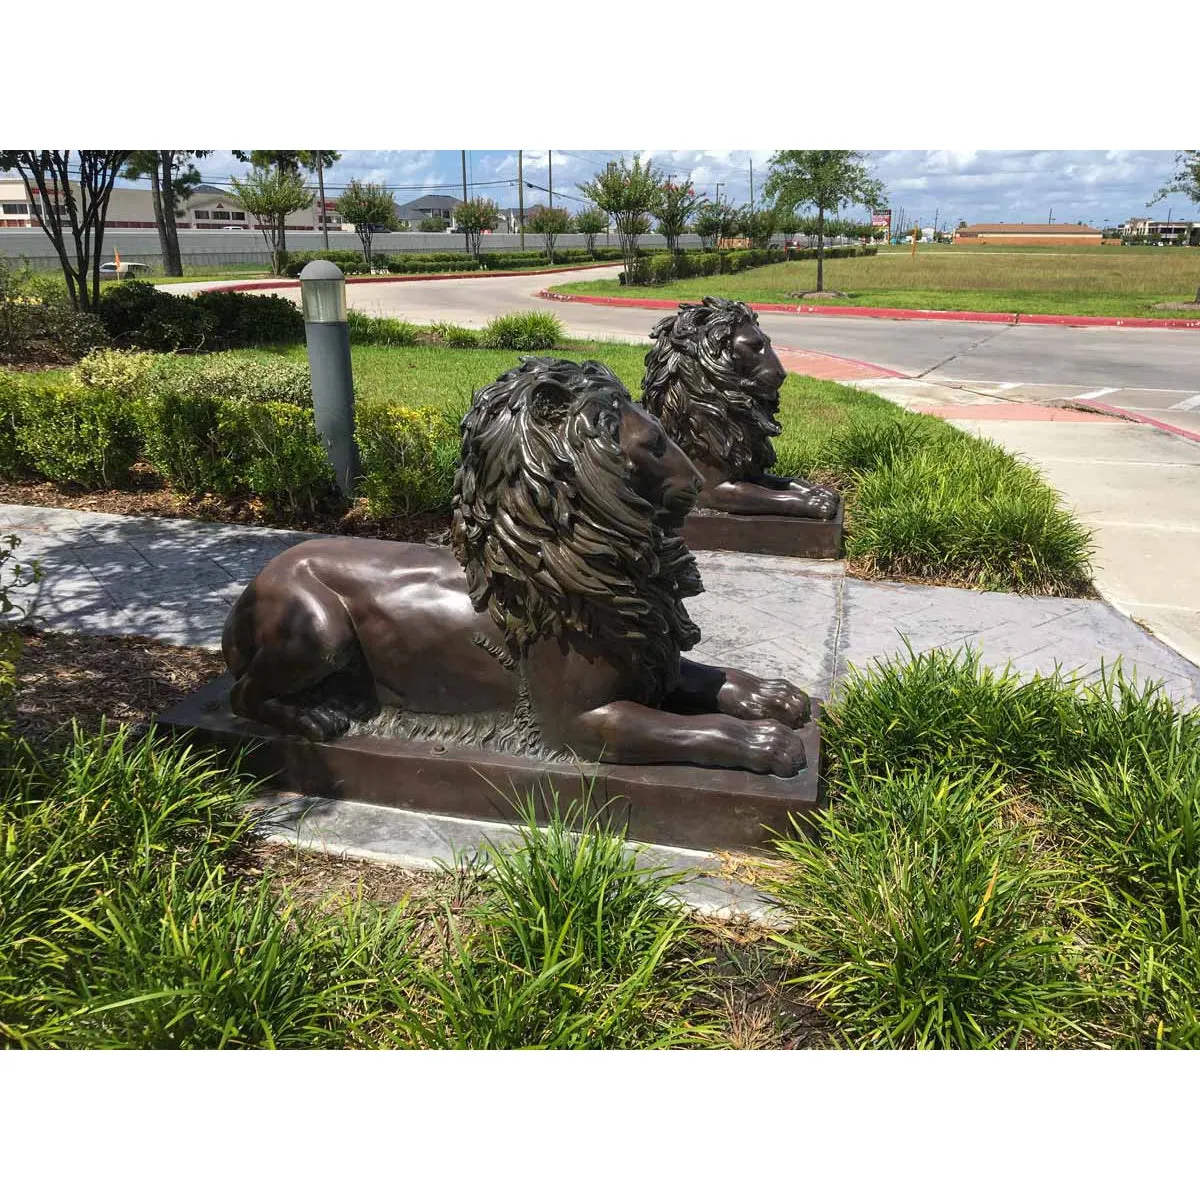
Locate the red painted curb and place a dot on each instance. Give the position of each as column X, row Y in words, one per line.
column 901, row 314
column 878, row 371
column 1109, row 409
column 268, row 285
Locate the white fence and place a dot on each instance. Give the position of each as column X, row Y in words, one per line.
column 214, row 248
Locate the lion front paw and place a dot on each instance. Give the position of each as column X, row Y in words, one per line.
column 771, row 748
column 820, row 503
column 768, row 699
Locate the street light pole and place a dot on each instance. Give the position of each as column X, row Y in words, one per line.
column 466, row 236
column 550, row 157
column 521, row 192
column 321, row 187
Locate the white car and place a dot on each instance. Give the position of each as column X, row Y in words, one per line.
column 123, row 270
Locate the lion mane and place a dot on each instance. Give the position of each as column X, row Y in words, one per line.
column 714, row 412
column 553, row 537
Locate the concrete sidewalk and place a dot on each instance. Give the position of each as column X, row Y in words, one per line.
column 1137, row 487
column 174, row 580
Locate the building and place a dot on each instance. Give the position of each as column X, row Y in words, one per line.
column 208, row 207
column 1176, row 232
column 424, row 207
column 1027, row 235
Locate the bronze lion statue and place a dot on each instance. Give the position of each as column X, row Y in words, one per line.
column 713, row 379
column 562, row 598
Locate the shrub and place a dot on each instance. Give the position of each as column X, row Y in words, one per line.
column 277, row 453
column 12, row 462
column 72, row 434
column 180, row 440
column 38, row 323
column 408, row 458
column 139, row 316
column 379, row 331
column 454, row 336
column 351, row 262
column 244, row 319
column 523, row 331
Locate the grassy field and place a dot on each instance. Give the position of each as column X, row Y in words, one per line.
column 1118, row 281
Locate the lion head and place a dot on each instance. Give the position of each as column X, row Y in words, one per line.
column 713, row 380
column 567, row 506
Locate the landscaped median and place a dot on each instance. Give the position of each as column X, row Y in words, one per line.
column 232, row 436
column 1118, row 285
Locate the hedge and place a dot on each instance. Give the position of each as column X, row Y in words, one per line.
column 408, row 457
column 663, row 268
column 137, row 315
column 430, row 262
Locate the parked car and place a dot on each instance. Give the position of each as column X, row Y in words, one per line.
column 123, row 270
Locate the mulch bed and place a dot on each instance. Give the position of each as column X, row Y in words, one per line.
column 61, row 676
column 148, row 496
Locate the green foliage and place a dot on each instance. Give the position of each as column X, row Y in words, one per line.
column 368, row 207
column 523, row 331
column 714, row 221
column 76, row 435
column 573, row 945
column 350, row 261
column 276, row 453
column 270, row 194
column 12, row 463
column 408, row 458
column 455, row 337
column 476, row 217
column 758, row 225
column 180, row 440
column 38, row 323
column 628, row 194
column 549, row 222
column 590, row 222
column 663, row 268
column 433, row 225
column 379, row 331
column 1060, row 819
column 673, row 209
column 138, row 315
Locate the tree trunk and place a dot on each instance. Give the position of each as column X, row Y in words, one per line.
column 820, row 249
column 169, row 231
column 160, row 223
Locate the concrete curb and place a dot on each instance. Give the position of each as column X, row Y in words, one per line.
column 272, row 285
column 1127, row 414
column 898, row 314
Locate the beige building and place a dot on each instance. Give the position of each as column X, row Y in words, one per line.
column 208, row 207
column 1027, row 235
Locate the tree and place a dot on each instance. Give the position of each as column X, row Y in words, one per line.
column 758, row 225
column 367, row 206
column 714, row 220
column 432, row 225
column 70, row 200
column 173, row 175
column 673, row 210
column 824, row 180
column 549, row 222
column 291, row 162
column 787, row 221
column 1185, row 182
column 476, row 217
column 590, row 222
column 628, row 194
column 269, row 194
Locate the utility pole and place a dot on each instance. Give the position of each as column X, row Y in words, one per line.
column 466, row 236
column 521, row 192
column 936, row 211
column 550, row 155
column 752, row 183
column 321, row 187
column 1050, row 218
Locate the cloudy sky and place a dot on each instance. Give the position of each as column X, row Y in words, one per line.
column 1099, row 187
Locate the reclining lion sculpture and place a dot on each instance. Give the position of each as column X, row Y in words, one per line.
column 562, row 598
column 713, row 379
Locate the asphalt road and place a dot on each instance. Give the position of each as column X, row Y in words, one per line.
column 1162, row 365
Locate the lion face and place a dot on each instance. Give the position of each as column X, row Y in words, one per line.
column 660, row 472
column 713, row 379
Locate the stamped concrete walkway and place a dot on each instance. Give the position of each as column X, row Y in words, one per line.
column 174, row 580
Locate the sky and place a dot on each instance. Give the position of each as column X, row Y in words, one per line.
column 1096, row 187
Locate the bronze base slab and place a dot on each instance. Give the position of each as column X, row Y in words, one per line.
column 695, row 807
column 796, row 537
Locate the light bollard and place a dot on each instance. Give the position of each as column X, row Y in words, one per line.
column 327, row 335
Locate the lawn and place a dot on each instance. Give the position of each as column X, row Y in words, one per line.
column 1117, row 281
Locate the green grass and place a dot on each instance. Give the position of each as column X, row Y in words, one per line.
column 128, row 919
column 1119, row 281
column 1004, row 862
